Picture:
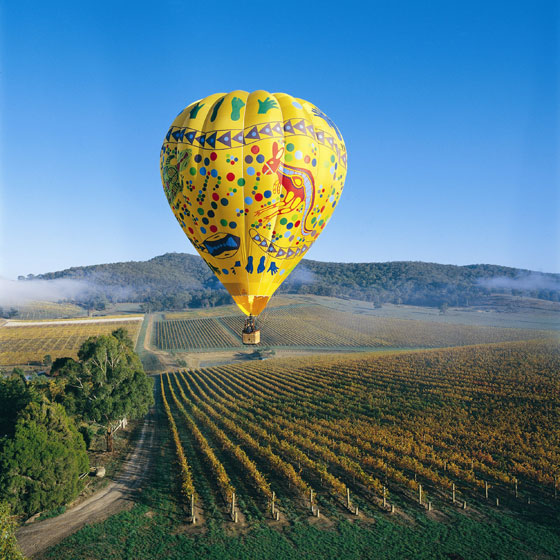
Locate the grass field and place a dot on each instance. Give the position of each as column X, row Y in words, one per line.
column 22, row 343
column 436, row 418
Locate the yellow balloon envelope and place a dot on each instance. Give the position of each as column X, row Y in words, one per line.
column 253, row 179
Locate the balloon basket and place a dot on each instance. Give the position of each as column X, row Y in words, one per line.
column 251, row 334
column 252, row 338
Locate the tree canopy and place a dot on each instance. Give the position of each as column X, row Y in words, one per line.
column 9, row 549
column 108, row 383
column 15, row 395
column 40, row 465
column 42, row 453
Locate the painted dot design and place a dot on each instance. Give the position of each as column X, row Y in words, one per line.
column 264, row 191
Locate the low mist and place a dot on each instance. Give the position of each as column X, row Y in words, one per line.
column 530, row 282
column 20, row 292
column 301, row 275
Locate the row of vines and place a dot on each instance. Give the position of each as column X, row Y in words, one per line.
column 468, row 419
column 193, row 334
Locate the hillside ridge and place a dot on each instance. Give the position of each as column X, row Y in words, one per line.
column 178, row 280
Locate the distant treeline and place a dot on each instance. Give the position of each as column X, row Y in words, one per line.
column 178, row 280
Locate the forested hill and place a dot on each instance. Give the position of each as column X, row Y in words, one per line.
column 176, row 280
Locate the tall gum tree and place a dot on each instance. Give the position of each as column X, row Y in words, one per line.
column 109, row 383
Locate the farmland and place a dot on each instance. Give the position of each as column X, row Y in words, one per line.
column 24, row 342
column 48, row 310
column 423, row 416
column 335, row 413
column 409, row 429
column 193, row 334
column 318, row 326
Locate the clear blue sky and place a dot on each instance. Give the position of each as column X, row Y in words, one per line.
column 449, row 111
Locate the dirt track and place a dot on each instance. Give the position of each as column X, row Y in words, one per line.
column 62, row 322
column 37, row 537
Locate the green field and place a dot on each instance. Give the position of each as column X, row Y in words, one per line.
column 464, row 416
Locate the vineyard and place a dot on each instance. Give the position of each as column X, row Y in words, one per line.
column 22, row 343
column 424, row 454
column 429, row 429
column 193, row 334
column 48, row 310
column 314, row 326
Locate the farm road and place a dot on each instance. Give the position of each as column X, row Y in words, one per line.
column 38, row 536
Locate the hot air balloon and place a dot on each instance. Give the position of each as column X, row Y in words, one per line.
column 253, row 179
